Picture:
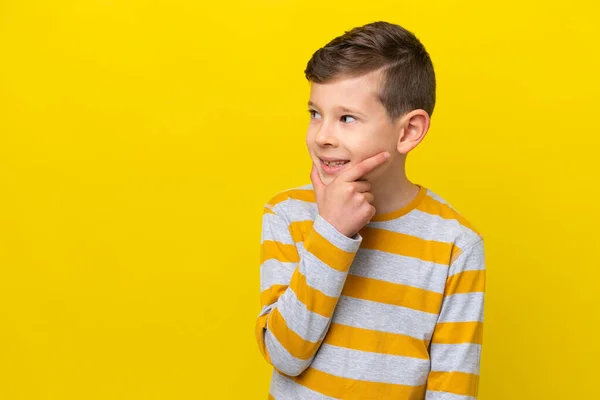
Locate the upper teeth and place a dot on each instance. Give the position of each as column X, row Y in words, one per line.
column 334, row 163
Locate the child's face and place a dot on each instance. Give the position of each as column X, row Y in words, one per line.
column 348, row 122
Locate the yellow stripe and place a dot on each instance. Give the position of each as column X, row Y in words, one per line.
column 270, row 295
column 376, row 341
column 431, row 206
column 300, row 229
column 267, row 210
column 279, row 251
column 466, row 282
column 314, row 300
column 392, row 293
column 453, row 382
column 327, row 252
column 458, row 332
column 406, row 245
column 293, row 343
column 270, row 397
column 344, row 388
column 296, row 194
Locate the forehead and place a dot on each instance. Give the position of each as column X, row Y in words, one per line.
column 348, row 91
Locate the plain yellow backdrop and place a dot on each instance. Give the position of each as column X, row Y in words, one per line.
column 139, row 141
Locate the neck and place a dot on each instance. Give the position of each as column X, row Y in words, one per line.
column 393, row 190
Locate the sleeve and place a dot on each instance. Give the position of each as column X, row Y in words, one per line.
column 299, row 289
column 455, row 350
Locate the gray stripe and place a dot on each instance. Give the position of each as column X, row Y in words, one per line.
column 275, row 228
column 399, row 269
column 320, row 275
column 298, row 210
column 274, row 272
column 281, row 358
column 472, row 259
column 307, row 324
column 339, row 240
column 431, row 395
column 372, row 367
column 308, row 186
column 384, row 317
column 429, row 227
column 455, row 357
column 463, row 307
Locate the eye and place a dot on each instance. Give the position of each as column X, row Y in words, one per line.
column 314, row 114
column 348, row 116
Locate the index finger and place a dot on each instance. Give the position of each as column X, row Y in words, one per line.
column 364, row 167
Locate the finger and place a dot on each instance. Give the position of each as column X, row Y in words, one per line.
column 361, row 186
column 318, row 184
column 364, row 167
column 369, row 197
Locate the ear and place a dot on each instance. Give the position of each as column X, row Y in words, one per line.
column 413, row 127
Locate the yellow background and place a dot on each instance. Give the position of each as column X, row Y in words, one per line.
column 140, row 139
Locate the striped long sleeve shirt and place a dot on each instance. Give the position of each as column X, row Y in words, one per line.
column 394, row 312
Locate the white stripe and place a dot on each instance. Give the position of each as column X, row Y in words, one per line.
column 472, row 259
column 335, row 237
column 274, row 228
column 372, row 367
column 428, row 227
column 384, row 317
column 431, row 395
column 308, row 186
column 280, row 357
column 297, row 210
column 275, row 272
column 463, row 307
column 308, row 325
column 319, row 275
column 462, row 357
column 400, row 269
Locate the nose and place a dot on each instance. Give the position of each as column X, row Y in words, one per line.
column 326, row 136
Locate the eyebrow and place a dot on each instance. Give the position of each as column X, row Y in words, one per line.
column 341, row 108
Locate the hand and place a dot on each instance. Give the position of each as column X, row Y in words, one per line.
column 346, row 201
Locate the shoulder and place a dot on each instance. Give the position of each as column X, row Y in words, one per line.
column 460, row 230
column 294, row 203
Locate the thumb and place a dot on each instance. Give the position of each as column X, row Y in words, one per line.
column 316, row 179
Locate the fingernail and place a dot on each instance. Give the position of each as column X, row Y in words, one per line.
column 386, row 154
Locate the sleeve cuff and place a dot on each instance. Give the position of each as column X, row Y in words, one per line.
column 329, row 232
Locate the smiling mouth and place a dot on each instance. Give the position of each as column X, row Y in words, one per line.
column 333, row 167
column 335, row 163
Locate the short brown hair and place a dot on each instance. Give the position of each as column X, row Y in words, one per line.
column 408, row 75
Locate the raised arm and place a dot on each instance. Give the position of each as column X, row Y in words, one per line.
column 299, row 289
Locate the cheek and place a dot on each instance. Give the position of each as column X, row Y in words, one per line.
column 309, row 143
column 375, row 140
column 310, row 138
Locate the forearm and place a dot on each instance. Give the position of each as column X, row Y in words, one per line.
column 295, row 319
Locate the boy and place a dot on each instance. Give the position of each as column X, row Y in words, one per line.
column 372, row 287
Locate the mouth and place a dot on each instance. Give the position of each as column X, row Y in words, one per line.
column 333, row 166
